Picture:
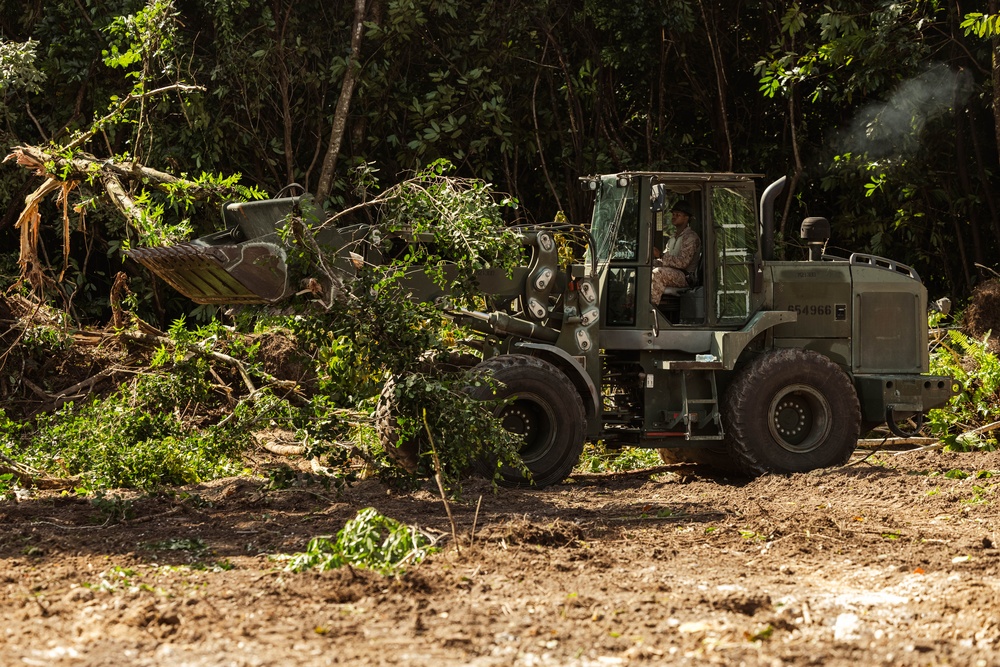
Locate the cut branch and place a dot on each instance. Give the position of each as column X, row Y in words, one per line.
column 28, row 223
column 85, row 167
column 127, row 100
column 28, row 476
column 73, row 393
column 121, row 199
column 63, row 170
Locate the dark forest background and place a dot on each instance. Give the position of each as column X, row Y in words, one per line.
column 885, row 115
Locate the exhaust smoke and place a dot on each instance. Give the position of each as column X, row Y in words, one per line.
column 894, row 127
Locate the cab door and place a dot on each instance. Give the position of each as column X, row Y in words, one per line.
column 731, row 259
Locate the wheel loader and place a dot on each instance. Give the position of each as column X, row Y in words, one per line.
column 758, row 365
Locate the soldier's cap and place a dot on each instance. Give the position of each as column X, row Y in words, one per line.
column 683, row 207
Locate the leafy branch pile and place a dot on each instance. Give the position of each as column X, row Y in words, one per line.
column 971, row 418
column 968, row 351
column 369, row 540
column 184, row 405
column 133, row 405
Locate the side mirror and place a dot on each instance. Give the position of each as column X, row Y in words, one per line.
column 658, row 198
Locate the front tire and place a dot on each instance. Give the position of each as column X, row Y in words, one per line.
column 539, row 403
column 406, row 451
column 791, row 411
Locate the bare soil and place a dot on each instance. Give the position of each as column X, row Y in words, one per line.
column 890, row 560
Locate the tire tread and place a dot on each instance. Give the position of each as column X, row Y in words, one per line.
column 742, row 404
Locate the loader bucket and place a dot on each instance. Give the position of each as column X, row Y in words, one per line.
column 251, row 272
column 246, row 263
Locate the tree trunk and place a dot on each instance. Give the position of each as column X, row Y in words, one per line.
column 964, row 257
column 981, row 167
column 284, row 86
column 996, row 76
column 661, row 99
column 796, row 175
column 968, row 194
column 538, row 132
column 725, row 141
column 343, row 104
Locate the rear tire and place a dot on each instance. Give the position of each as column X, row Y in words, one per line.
column 540, row 404
column 791, row 411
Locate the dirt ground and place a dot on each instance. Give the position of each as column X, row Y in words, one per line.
column 893, row 560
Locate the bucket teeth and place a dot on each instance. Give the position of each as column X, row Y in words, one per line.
column 250, row 272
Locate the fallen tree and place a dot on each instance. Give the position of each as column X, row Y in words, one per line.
column 66, row 169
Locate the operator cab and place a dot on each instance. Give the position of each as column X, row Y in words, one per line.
column 632, row 216
column 679, row 303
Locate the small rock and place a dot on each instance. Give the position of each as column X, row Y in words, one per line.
column 80, row 594
column 847, row 628
column 693, row 627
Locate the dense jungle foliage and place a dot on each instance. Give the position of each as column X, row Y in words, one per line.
column 885, row 115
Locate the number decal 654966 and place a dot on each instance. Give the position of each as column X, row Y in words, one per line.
column 812, row 309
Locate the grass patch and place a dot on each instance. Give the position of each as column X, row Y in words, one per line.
column 597, row 458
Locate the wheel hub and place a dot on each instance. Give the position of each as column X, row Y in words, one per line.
column 800, row 418
column 533, row 420
column 790, row 418
column 519, row 421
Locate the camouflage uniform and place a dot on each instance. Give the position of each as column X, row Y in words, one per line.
column 679, row 259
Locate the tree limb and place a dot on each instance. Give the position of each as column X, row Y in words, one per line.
column 121, row 199
column 127, row 100
column 28, row 476
column 84, row 167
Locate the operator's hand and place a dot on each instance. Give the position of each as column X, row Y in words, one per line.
column 656, row 252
